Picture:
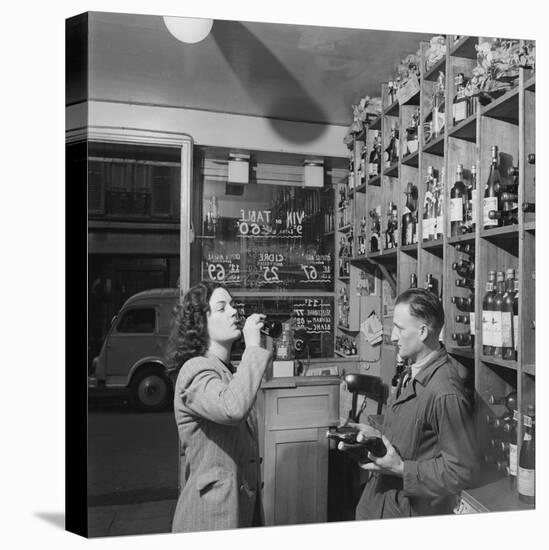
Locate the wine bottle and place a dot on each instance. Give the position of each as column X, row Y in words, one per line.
column 466, row 248
column 459, row 107
column 439, row 200
column 373, row 161
column 458, row 199
column 507, row 316
column 413, row 280
column 408, row 220
column 462, row 319
column 515, row 314
column 491, row 199
column 463, row 304
column 498, row 311
column 472, row 192
column 488, row 315
column 527, row 460
column 462, row 338
column 465, row 283
column 428, row 221
column 528, row 206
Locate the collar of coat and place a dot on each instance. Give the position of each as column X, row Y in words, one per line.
column 425, row 374
column 228, row 366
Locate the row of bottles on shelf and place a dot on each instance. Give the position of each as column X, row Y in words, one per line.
column 345, row 345
column 503, row 453
column 499, row 207
column 500, row 323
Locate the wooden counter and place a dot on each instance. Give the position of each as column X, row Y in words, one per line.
column 293, row 417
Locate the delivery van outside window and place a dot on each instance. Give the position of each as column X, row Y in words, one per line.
column 133, row 353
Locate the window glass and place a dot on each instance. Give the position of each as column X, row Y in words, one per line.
column 139, row 320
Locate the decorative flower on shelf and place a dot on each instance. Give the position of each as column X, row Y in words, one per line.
column 435, row 51
column 407, row 68
column 497, row 69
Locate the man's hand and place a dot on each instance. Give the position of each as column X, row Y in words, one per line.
column 365, row 429
column 391, row 463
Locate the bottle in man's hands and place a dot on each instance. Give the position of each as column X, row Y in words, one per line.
column 347, row 441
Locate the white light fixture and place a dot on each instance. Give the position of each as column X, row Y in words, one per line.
column 239, row 168
column 314, row 173
column 188, row 29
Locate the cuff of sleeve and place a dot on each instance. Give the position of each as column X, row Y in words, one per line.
column 410, row 481
column 258, row 351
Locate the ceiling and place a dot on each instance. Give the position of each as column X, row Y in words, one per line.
column 281, row 71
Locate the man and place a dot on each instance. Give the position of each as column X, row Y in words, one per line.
column 428, row 426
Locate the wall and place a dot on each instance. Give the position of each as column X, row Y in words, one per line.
column 212, row 128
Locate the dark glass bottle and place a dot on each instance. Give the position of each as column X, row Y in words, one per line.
column 507, row 317
column 458, row 202
column 409, row 229
column 428, row 223
column 488, row 315
column 509, row 400
column 463, row 304
column 498, row 309
column 527, row 460
column 465, row 283
column 491, row 199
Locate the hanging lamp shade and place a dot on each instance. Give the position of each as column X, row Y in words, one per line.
column 188, row 29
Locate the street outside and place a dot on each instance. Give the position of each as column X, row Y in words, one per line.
column 132, row 459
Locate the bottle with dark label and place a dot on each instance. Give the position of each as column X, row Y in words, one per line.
column 491, row 199
column 488, row 315
column 527, row 460
column 458, row 201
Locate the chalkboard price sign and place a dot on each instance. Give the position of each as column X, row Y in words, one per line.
column 224, row 268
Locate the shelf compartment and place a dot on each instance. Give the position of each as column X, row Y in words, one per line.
column 410, row 249
column 435, row 147
column 376, row 124
column 512, row 365
column 411, row 160
column 530, row 84
column 530, row 226
column 529, row 368
column 432, row 73
column 466, row 129
column 385, row 256
column 504, row 108
column 392, row 110
column 506, row 237
column 465, row 47
column 467, row 237
column 376, row 180
column 392, row 171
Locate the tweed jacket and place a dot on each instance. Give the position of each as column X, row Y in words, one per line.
column 218, row 435
column 431, row 426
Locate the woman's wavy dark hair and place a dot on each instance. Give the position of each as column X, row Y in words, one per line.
column 189, row 331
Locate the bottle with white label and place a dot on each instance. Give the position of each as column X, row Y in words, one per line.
column 527, row 460
column 491, row 197
column 458, row 197
column 501, row 323
column 428, row 203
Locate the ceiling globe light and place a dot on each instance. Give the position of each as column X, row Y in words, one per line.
column 188, row 29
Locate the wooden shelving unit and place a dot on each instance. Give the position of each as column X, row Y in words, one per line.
column 508, row 121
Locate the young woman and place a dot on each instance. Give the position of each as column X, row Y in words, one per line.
column 213, row 407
